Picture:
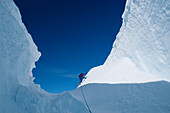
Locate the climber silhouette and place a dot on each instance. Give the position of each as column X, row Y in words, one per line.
column 81, row 77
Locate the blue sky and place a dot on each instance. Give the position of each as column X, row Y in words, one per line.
column 72, row 35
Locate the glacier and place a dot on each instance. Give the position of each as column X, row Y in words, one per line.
column 134, row 78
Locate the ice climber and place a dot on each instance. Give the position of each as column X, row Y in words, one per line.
column 81, row 77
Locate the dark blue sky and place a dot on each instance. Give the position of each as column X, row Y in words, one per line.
column 72, row 35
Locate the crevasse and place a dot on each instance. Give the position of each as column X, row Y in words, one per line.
column 140, row 54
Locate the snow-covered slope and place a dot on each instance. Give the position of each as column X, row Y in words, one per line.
column 141, row 51
column 140, row 54
column 152, row 97
column 122, row 70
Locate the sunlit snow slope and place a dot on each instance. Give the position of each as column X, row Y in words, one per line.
column 141, row 51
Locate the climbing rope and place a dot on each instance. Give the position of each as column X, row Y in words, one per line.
column 85, row 99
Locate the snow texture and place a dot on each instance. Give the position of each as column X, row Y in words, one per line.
column 141, row 51
column 144, row 36
column 130, row 81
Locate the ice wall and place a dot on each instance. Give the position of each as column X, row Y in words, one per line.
column 141, row 51
column 18, row 53
column 144, row 36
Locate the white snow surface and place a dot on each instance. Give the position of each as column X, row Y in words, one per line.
column 141, row 51
column 121, row 71
column 140, row 54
